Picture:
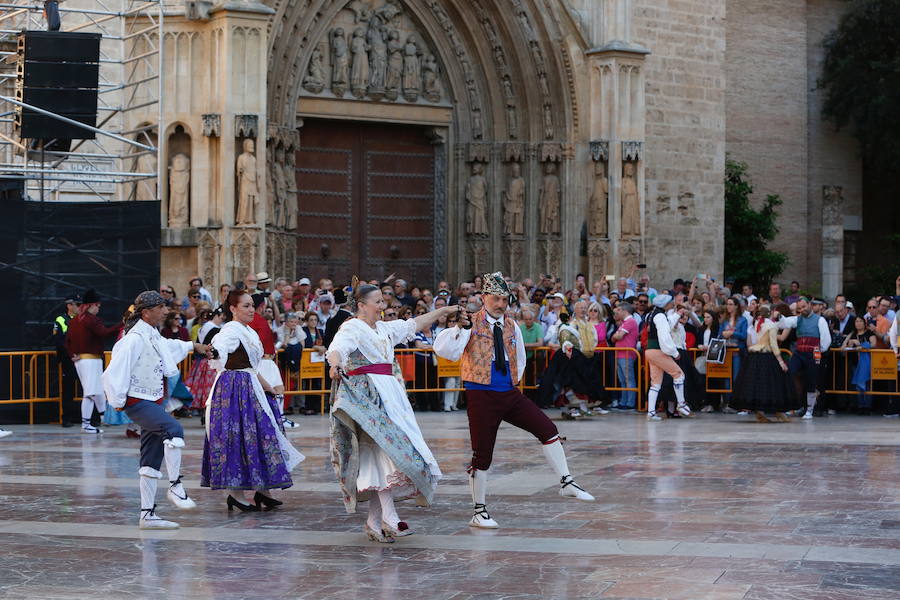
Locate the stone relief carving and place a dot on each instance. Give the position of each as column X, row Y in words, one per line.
column 478, row 152
column 315, row 73
column 243, row 250
column 514, row 250
column 291, row 207
column 832, row 205
column 478, row 253
column 212, row 124
column 514, row 202
column 412, row 73
column 179, row 190
column 597, row 258
column 631, row 202
column 359, row 67
column 278, row 197
column 340, row 62
column 509, row 95
column 377, row 53
column 476, row 202
column 632, row 150
column 599, row 150
column 549, row 203
column 513, row 151
column 599, row 204
column 246, row 126
column 248, row 190
column 209, row 258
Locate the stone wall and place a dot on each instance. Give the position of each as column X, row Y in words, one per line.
column 685, row 135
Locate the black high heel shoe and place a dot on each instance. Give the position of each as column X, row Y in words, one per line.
column 266, row 500
column 232, row 503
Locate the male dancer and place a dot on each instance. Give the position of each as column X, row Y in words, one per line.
column 134, row 382
column 661, row 354
column 813, row 341
column 84, row 342
column 492, row 352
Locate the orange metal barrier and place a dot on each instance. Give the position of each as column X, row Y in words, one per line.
column 883, row 369
column 32, row 378
column 309, row 380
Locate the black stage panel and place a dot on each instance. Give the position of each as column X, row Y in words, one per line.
column 51, row 250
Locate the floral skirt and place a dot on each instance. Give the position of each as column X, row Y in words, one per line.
column 241, row 450
column 199, row 381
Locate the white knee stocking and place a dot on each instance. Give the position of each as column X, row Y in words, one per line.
column 556, row 456
column 478, row 485
column 87, row 410
column 388, row 510
column 173, row 468
column 652, row 397
column 679, row 390
column 810, row 401
column 149, row 479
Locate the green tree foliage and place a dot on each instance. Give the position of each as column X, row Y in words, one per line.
column 748, row 231
column 861, row 80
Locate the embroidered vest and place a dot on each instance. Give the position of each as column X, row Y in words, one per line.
column 808, row 327
column 475, row 364
column 147, row 377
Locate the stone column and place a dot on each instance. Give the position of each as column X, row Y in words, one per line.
column 832, row 240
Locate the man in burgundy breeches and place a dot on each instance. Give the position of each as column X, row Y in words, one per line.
column 491, row 352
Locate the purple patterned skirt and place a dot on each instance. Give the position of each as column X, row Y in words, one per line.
column 241, row 450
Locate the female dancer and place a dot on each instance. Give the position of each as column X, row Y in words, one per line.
column 377, row 449
column 244, row 448
column 763, row 384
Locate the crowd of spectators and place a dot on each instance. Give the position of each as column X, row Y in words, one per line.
column 607, row 313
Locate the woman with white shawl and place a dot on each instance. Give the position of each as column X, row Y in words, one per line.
column 377, row 449
column 245, row 448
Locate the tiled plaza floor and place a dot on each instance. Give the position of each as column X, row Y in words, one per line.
column 711, row 508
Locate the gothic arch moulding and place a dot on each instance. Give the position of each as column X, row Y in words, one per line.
column 496, row 62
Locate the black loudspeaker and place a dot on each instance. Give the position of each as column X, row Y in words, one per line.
column 58, row 72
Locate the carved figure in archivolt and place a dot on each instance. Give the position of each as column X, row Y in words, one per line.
column 599, row 205
column 549, row 200
column 315, row 73
column 394, row 75
column 340, row 62
column 359, row 68
column 514, row 202
column 248, row 190
column 512, row 122
column 375, row 37
column 389, row 12
column 430, row 79
column 412, row 72
column 631, row 203
column 476, row 201
column 179, row 190
column 290, row 202
column 279, row 197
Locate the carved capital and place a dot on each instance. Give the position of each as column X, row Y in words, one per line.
column 551, row 151
column 599, row 150
column 632, row 150
column 246, row 126
column 514, row 152
column 479, row 151
column 212, row 124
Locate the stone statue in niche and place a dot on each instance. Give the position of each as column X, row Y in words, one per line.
column 599, row 204
column 179, row 190
column 359, row 68
column 315, row 73
column 476, row 201
column 340, row 62
column 549, row 200
column 290, row 201
column 412, row 72
column 512, row 122
column 631, row 203
column 394, row 74
column 430, row 79
column 248, row 190
column 375, row 36
column 280, row 191
column 514, row 202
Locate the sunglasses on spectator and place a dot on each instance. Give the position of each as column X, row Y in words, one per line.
column 195, row 295
column 642, row 302
column 390, row 314
column 166, row 292
column 871, row 306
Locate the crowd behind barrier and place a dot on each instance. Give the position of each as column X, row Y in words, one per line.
column 35, row 377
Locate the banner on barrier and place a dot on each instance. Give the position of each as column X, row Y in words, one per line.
column 884, row 365
column 448, row 368
column 720, row 371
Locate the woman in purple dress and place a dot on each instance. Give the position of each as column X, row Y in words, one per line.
column 245, row 450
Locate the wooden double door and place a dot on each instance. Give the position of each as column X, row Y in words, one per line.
column 366, row 202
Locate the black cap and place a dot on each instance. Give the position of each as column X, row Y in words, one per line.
column 90, row 297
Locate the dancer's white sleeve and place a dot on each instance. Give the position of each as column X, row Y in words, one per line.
column 521, row 359
column 178, row 349
column 116, row 378
column 787, row 323
column 824, row 335
column 893, row 333
column 450, row 343
column 664, row 335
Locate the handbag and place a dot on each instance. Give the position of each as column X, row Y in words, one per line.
column 716, row 351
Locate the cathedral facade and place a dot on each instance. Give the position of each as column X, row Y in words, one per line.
column 442, row 138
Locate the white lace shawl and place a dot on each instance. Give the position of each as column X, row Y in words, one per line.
column 376, row 345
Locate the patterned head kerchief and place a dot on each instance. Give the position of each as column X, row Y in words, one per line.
column 495, row 284
column 148, row 299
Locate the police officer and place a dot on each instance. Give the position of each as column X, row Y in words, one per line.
column 70, row 415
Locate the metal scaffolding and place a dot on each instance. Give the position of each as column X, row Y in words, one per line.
column 122, row 162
